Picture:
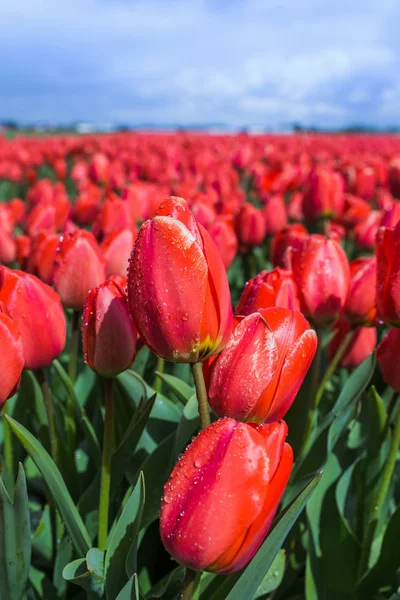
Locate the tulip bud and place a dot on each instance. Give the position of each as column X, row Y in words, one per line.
column 250, row 226
column 388, row 274
column 116, row 249
column 79, row 267
column 361, row 345
column 222, row 495
column 258, row 374
column 322, row 273
column 365, row 231
column 177, row 287
column 43, row 255
column 361, row 303
column 387, row 355
column 224, row 237
column 394, row 177
column 323, row 197
column 11, row 355
column 108, row 333
column 291, row 238
column 268, row 289
column 275, row 214
column 36, row 309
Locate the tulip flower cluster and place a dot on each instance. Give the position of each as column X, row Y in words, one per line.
column 255, row 275
column 180, row 302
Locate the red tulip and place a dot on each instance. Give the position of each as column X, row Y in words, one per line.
column 365, row 231
column 387, row 355
column 285, row 242
column 394, row 177
column 224, row 237
column 43, row 255
column 250, row 226
column 258, row 374
column 108, row 333
column 361, row 345
column 274, row 288
column 116, row 249
column 79, row 267
column 99, row 168
column 275, row 214
column 222, row 495
column 361, row 303
column 322, row 273
column 177, row 287
column 323, row 197
column 388, row 274
column 38, row 314
column 11, row 355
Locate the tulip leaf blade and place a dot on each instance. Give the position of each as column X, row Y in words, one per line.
column 15, row 538
column 130, row 591
column 88, row 573
column 60, row 494
column 81, row 416
column 246, row 582
column 122, row 538
column 182, row 390
column 352, row 390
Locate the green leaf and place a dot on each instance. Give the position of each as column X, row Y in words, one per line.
column 15, row 539
column 122, row 538
column 354, row 387
column 80, row 413
column 246, row 582
column 170, row 585
column 188, row 425
column 62, row 499
column 388, row 561
column 156, row 470
column 137, row 388
column 63, row 557
column 130, row 591
column 181, row 389
column 125, row 450
column 88, row 573
column 273, row 578
column 331, row 473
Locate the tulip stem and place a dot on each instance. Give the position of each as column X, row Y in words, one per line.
column 106, row 463
column 332, row 365
column 159, row 369
column 189, row 584
column 201, row 393
column 377, row 506
column 314, row 376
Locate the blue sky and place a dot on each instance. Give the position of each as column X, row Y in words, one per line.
column 240, row 62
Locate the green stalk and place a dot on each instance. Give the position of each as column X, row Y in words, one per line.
column 189, row 585
column 333, row 365
column 106, row 464
column 315, row 371
column 201, row 393
column 377, row 506
column 159, row 369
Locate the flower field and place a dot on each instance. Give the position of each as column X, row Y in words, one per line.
column 200, row 367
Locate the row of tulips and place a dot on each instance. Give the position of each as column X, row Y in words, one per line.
column 88, row 280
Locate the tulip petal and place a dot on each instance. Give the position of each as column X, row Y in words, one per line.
column 166, row 288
